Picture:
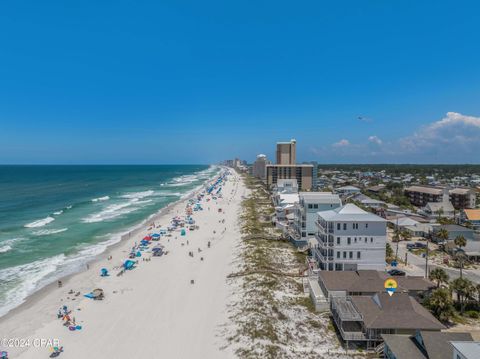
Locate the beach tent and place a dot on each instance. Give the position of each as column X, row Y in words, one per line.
column 128, row 264
column 103, row 272
column 183, row 232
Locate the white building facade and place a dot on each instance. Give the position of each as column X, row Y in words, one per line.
column 349, row 238
column 259, row 168
column 305, row 214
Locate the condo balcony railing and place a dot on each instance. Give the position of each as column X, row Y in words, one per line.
column 352, row 335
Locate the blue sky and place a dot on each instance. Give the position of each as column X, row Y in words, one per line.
column 197, row 82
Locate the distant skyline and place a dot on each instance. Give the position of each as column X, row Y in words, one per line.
column 150, row 82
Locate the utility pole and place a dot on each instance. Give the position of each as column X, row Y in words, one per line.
column 426, row 257
column 397, row 236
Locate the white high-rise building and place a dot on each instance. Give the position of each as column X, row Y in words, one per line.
column 350, row 238
column 259, row 168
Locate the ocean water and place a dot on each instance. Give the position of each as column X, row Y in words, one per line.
column 53, row 219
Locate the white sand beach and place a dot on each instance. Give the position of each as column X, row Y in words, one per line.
column 152, row 311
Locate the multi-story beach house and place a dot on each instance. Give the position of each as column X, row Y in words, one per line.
column 305, row 214
column 364, row 319
column 349, row 238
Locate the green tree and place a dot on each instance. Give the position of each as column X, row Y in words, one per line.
column 464, row 289
column 439, row 212
column 406, row 235
column 460, row 242
column 389, row 251
column 442, row 234
column 440, row 304
column 439, row 275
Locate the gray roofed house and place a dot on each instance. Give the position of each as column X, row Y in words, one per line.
column 422, row 345
column 366, row 318
column 466, row 350
column 368, row 282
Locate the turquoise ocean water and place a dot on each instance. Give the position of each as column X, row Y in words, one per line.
column 53, row 219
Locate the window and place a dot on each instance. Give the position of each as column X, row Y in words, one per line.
column 349, row 240
column 350, row 255
column 358, row 255
column 344, row 254
column 355, row 239
column 371, row 239
column 355, row 226
column 366, row 239
column 366, row 225
column 344, row 226
column 338, row 226
column 310, row 206
column 338, row 240
column 303, row 234
column 315, row 206
column 338, row 254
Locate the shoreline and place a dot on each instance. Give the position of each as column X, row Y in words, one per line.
column 170, row 285
column 132, row 232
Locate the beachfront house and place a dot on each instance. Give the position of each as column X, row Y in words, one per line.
column 364, row 319
column 423, row 345
column 368, row 282
column 303, row 228
column 349, row 238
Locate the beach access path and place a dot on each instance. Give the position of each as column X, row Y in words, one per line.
column 152, row 311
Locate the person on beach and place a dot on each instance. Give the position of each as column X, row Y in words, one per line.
column 59, row 284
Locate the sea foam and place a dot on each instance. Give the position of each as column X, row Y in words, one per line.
column 46, row 232
column 40, row 222
column 99, row 199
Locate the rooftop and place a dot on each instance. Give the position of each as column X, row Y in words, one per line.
column 326, row 197
column 435, row 344
column 349, row 212
column 472, row 214
column 369, row 281
column 470, row 350
column 400, row 311
column 424, row 189
column 461, row 191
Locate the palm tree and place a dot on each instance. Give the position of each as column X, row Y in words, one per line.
column 406, row 235
column 439, row 212
column 440, row 304
column 439, row 275
column 442, row 234
column 460, row 242
column 464, row 289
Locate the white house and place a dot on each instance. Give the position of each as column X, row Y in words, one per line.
column 303, row 227
column 346, row 190
column 350, row 238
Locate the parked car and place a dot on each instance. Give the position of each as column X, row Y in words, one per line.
column 396, row 272
column 416, row 245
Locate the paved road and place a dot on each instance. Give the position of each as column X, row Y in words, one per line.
column 417, row 265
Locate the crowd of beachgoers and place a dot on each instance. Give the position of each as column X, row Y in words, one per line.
column 155, row 287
